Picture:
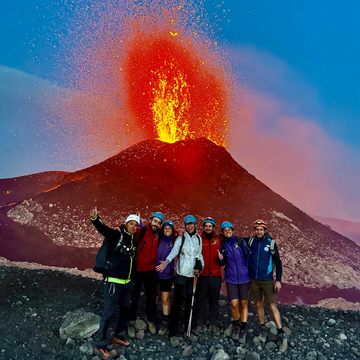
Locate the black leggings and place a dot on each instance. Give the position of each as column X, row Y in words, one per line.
column 150, row 281
column 208, row 294
column 183, row 289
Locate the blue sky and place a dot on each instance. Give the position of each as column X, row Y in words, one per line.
column 304, row 56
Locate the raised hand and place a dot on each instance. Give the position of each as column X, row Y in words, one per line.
column 94, row 213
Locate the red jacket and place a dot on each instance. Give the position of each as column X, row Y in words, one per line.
column 146, row 249
column 210, row 249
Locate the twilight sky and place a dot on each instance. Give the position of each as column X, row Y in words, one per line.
column 296, row 66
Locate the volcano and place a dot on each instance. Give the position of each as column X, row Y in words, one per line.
column 44, row 217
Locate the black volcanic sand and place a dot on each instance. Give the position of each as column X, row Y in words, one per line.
column 33, row 302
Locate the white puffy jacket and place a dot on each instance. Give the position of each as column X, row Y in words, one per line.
column 191, row 250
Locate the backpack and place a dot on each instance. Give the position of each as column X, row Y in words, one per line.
column 272, row 245
column 102, row 264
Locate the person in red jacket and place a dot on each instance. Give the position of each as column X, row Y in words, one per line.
column 210, row 278
column 147, row 241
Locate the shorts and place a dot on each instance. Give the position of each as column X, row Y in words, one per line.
column 263, row 289
column 238, row 291
column 165, row 285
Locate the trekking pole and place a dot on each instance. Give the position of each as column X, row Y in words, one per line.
column 192, row 305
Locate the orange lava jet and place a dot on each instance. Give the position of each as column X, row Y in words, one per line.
column 173, row 89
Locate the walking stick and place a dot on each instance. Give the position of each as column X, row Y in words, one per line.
column 192, row 305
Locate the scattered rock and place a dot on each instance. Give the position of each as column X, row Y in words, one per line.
column 252, row 355
column 220, row 354
column 311, row 355
column 331, row 322
column 70, row 341
column 187, row 351
column 342, row 337
column 86, row 348
column 175, row 341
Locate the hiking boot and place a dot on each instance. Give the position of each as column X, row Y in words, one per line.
column 263, row 333
column 120, row 340
column 104, row 352
column 163, row 328
column 242, row 336
column 152, row 327
column 283, row 342
column 235, row 331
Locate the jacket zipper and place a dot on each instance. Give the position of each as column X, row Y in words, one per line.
column 257, row 263
column 237, row 270
column 210, row 257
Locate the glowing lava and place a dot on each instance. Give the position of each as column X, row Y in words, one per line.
column 172, row 91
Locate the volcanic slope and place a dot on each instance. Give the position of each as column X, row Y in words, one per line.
column 191, row 176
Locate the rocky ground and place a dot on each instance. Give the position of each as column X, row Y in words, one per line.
column 33, row 304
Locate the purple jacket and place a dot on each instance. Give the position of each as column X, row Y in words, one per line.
column 235, row 253
column 165, row 245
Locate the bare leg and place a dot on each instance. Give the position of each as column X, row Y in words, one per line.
column 244, row 311
column 235, row 313
column 276, row 315
column 259, row 304
column 165, row 301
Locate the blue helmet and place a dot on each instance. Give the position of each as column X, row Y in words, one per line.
column 190, row 219
column 209, row 220
column 227, row 224
column 168, row 223
column 158, row 214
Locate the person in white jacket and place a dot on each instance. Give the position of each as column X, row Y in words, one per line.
column 188, row 249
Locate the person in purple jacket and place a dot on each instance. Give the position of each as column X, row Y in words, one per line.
column 166, row 277
column 234, row 254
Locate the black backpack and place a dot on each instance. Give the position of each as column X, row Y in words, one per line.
column 102, row 264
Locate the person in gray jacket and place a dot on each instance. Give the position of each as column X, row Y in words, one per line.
column 188, row 249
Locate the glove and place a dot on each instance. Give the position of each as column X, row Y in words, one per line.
column 198, row 265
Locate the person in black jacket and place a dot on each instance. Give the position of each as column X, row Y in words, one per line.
column 118, row 282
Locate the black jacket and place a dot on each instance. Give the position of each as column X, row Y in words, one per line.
column 121, row 254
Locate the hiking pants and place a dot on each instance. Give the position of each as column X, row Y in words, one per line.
column 183, row 289
column 207, row 295
column 150, row 281
column 117, row 299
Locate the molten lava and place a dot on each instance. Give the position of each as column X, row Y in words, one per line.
column 173, row 92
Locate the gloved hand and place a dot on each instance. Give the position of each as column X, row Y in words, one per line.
column 198, row 265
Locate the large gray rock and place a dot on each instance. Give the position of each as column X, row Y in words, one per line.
column 79, row 325
column 220, row 355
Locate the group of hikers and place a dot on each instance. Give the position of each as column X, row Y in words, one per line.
column 156, row 256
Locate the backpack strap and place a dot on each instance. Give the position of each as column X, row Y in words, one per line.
column 119, row 243
column 199, row 239
column 182, row 244
column 251, row 240
column 272, row 246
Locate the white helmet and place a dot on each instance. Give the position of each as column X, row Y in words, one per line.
column 133, row 217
